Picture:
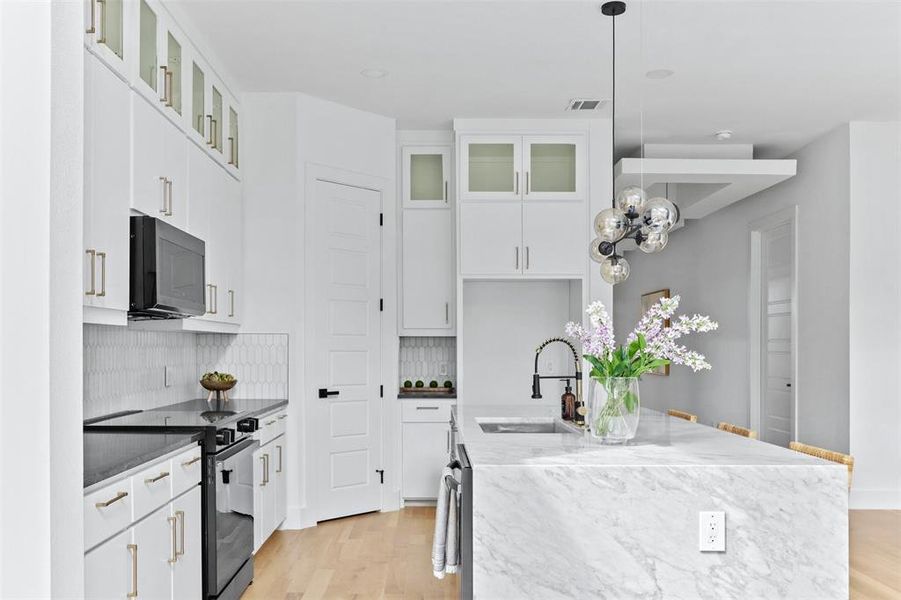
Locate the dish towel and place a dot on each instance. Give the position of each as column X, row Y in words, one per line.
column 444, row 543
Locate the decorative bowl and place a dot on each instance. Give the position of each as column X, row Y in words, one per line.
column 218, row 386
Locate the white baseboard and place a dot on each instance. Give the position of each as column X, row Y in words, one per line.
column 875, row 499
column 299, row 517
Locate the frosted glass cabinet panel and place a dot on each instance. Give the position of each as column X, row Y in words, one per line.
column 197, row 99
column 104, row 22
column 216, row 121
column 491, row 167
column 147, row 40
column 232, row 137
column 173, row 73
column 426, row 176
column 553, row 167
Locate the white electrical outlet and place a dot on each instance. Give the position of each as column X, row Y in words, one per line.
column 442, row 369
column 712, row 531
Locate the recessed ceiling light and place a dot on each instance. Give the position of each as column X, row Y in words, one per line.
column 723, row 135
column 374, row 73
column 658, row 74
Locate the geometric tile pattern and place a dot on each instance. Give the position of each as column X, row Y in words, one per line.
column 124, row 368
column 426, row 358
column 258, row 360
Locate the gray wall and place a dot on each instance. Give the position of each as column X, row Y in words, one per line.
column 708, row 264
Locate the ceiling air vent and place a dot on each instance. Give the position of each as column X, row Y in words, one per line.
column 586, row 104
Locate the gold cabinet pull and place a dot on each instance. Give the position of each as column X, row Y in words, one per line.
column 280, row 417
column 447, row 313
column 266, row 468
column 93, row 27
column 167, row 86
column 231, row 150
column 527, row 183
column 101, row 39
column 445, row 191
column 517, row 258
column 133, row 548
column 93, row 254
column 180, row 515
column 113, row 500
column 209, row 141
column 516, row 190
column 279, row 469
column 168, row 197
column 263, row 480
column 163, row 182
column 188, row 463
column 214, row 302
column 102, row 291
column 527, row 258
column 162, row 475
column 172, row 525
column 165, row 93
column 231, row 299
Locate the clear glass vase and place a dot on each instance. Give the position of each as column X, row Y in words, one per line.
column 614, row 409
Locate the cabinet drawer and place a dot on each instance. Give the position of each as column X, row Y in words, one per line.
column 152, row 488
column 107, row 511
column 271, row 426
column 186, row 469
column 426, row 411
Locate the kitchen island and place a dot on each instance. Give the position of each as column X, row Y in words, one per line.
column 559, row 515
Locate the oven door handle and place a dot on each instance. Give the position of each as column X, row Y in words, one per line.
column 236, row 448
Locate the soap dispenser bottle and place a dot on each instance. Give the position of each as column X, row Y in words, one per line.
column 568, row 403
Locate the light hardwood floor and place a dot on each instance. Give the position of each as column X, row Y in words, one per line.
column 387, row 555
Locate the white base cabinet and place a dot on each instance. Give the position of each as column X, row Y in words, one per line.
column 269, row 478
column 425, row 446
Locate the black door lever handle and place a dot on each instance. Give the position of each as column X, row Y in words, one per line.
column 324, row 393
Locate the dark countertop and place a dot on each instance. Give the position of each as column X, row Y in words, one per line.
column 108, row 454
column 130, row 439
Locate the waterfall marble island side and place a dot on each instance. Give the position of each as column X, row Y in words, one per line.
column 558, row 515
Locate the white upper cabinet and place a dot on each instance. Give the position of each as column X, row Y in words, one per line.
column 106, row 33
column 426, row 176
column 553, row 237
column 159, row 165
column 491, row 168
column 553, row 167
column 427, row 272
column 491, row 238
column 540, row 167
column 106, row 190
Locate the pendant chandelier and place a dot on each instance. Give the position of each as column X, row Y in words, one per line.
column 633, row 216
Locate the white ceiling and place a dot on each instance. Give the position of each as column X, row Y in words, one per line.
column 778, row 73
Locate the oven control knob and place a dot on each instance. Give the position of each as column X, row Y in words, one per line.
column 225, row 437
column 248, row 425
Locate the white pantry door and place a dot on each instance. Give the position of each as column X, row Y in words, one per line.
column 346, row 326
column 778, row 414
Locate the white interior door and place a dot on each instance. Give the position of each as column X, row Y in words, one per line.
column 346, row 280
column 777, row 278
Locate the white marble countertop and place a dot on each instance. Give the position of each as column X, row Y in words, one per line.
column 661, row 441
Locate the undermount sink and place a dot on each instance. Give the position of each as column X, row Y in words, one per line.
column 514, row 425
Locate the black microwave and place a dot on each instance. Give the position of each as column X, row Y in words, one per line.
column 168, row 274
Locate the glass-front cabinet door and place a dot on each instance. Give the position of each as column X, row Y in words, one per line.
column 147, row 46
column 198, row 102
column 426, row 176
column 491, row 168
column 553, row 168
column 233, row 139
column 105, row 31
column 172, row 74
column 216, row 122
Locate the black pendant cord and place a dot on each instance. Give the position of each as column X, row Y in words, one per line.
column 613, row 119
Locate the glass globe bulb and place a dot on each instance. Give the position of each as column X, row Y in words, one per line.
column 631, row 200
column 659, row 215
column 652, row 241
column 615, row 269
column 594, row 251
column 611, row 224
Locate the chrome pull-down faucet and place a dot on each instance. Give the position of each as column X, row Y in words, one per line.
column 536, row 377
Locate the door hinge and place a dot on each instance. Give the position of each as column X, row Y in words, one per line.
column 381, row 391
column 381, row 473
column 381, row 219
column 381, row 304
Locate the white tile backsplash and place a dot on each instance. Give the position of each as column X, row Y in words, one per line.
column 258, row 360
column 124, row 368
column 426, row 357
